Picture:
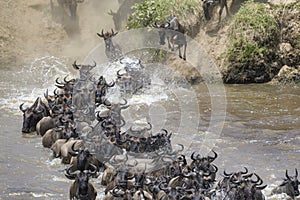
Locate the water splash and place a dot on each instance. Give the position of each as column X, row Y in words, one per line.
column 25, row 84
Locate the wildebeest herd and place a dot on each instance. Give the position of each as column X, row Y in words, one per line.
column 85, row 129
column 136, row 163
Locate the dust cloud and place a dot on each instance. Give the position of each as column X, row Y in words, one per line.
column 31, row 29
column 92, row 18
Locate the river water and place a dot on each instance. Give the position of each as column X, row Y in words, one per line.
column 253, row 126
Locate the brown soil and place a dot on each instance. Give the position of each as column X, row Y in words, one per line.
column 30, row 29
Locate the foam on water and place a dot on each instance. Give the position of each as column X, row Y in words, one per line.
column 25, row 84
column 159, row 90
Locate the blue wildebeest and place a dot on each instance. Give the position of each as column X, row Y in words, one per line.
column 101, row 90
column 289, row 185
column 32, row 115
column 209, row 5
column 175, row 34
column 112, row 51
column 81, row 188
column 71, row 5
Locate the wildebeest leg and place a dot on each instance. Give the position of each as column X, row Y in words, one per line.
column 223, row 4
column 220, row 12
column 179, row 48
column 170, row 44
column 184, row 51
column 73, row 8
column 51, row 6
column 226, row 7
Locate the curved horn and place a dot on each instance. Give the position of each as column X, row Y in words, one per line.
column 165, row 131
column 180, row 150
column 122, row 123
column 111, row 84
column 227, row 174
column 75, row 66
column 73, row 149
column 245, row 172
column 119, row 194
column 150, row 127
column 95, row 64
column 211, row 159
column 296, row 172
column 261, row 187
column 101, row 35
column 287, row 175
column 216, row 168
column 112, row 32
column 46, row 95
column 21, row 108
column 90, row 172
column 107, row 103
column 66, row 81
column 72, row 175
column 57, row 82
column 118, row 73
column 167, row 25
column 193, row 156
column 155, row 25
column 125, row 102
column 247, row 175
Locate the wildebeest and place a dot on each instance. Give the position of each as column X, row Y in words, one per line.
column 101, row 90
column 289, row 185
column 44, row 125
column 209, row 5
column 120, row 17
column 32, row 115
column 51, row 135
column 112, row 51
column 71, row 5
column 81, row 188
column 175, row 34
column 83, row 160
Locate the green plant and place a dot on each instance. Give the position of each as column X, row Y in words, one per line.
column 254, row 37
column 148, row 12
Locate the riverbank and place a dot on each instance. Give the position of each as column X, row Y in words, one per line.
column 29, row 30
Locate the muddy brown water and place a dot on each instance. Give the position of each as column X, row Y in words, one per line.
column 260, row 128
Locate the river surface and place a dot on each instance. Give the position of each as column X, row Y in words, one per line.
column 253, row 126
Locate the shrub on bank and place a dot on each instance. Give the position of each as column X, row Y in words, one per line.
column 148, row 12
column 254, row 37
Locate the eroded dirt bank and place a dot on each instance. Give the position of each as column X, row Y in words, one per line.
column 30, row 29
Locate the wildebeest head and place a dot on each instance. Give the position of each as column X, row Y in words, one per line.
column 82, row 157
column 108, row 38
column 161, row 32
column 82, row 180
column 207, row 8
column 32, row 115
column 84, row 70
column 291, row 181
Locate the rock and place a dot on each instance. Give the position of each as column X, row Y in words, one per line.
column 288, row 74
column 285, row 47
